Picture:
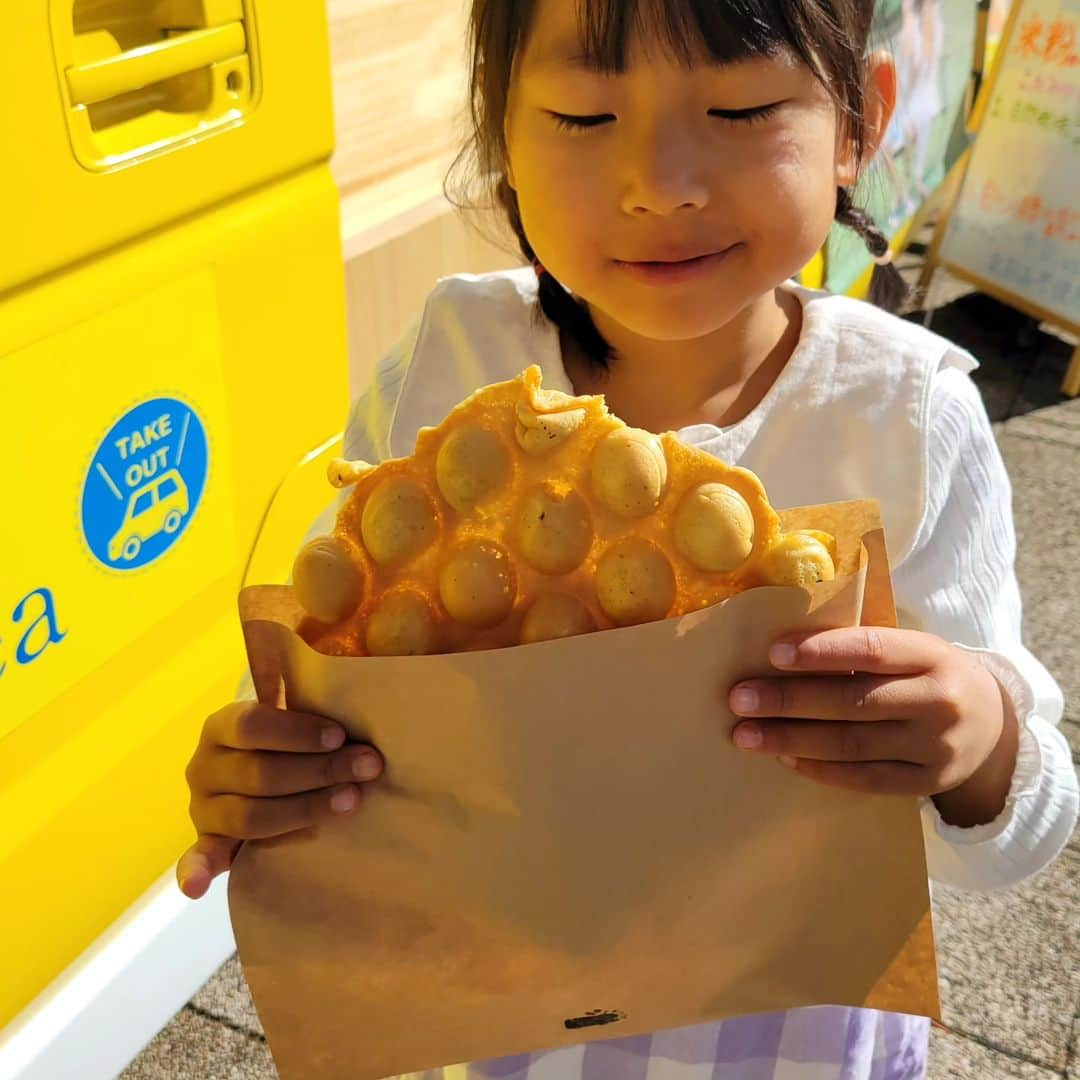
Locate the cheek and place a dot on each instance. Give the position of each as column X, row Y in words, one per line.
column 558, row 201
column 801, row 192
column 556, row 191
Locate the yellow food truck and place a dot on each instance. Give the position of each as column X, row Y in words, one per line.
column 172, row 348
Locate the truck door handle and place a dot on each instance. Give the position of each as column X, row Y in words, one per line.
column 132, row 70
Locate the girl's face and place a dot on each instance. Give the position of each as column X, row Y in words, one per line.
column 742, row 160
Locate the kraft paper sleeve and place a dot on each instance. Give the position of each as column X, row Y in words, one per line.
column 565, row 845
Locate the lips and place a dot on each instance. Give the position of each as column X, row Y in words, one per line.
column 672, row 273
column 676, row 256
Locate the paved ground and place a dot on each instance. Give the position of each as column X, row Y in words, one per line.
column 1010, row 981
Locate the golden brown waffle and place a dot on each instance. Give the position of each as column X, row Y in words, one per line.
column 529, row 514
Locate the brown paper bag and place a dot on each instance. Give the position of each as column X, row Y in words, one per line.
column 565, row 846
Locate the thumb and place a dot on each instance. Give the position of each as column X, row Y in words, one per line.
column 203, row 861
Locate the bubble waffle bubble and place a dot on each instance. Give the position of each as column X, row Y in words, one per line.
column 528, row 514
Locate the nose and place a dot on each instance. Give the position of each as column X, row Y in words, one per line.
column 665, row 171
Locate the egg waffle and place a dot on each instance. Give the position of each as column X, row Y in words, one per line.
column 530, row 514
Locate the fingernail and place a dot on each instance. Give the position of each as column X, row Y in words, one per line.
column 747, row 736
column 365, row 767
column 745, row 700
column 782, row 655
column 333, row 737
column 343, row 801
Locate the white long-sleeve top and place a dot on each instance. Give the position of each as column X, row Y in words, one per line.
column 868, row 406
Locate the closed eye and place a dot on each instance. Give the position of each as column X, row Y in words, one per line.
column 576, row 123
column 566, row 122
column 761, row 112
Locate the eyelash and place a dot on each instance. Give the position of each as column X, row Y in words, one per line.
column 737, row 116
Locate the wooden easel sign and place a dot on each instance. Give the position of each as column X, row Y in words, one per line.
column 1013, row 229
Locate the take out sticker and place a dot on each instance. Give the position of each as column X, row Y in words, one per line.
column 144, row 484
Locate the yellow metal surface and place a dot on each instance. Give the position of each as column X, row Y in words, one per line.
column 79, row 178
column 156, row 341
column 155, row 394
column 813, row 274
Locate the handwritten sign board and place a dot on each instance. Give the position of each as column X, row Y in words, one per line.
column 1015, row 226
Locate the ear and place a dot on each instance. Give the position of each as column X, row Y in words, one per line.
column 879, row 95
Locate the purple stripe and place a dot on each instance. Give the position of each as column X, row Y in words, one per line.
column 507, row 1068
column 688, row 1045
column 627, row 1059
column 746, row 1037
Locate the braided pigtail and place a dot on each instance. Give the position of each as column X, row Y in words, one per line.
column 557, row 303
column 888, row 289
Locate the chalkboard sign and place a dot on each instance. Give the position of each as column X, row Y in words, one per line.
column 1014, row 229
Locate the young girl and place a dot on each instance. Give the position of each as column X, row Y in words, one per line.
column 667, row 168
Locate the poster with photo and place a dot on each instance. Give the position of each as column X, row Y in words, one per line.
column 933, row 44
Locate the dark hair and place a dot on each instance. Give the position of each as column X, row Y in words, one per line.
column 829, row 36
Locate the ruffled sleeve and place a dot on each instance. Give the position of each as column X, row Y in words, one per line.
column 959, row 582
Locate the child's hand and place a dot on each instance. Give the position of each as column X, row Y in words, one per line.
column 260, row 772
column 879, row 710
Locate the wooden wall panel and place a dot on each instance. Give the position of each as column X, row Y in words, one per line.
column 388, row 284
column 399, row 75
